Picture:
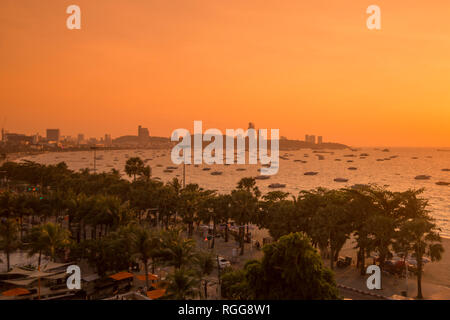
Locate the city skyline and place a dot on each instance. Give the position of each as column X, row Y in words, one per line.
column 315, row 139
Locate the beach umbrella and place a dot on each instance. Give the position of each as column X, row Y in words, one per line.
column 151, row 277
column 155, row 294
column 15, row 292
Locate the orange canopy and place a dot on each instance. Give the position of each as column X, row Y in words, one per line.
column 155, row 294
column 15, row 292
column 151, row 276
column 121, row 276
column 159, row 285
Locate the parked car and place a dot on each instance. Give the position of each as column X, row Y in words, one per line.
column 344, row 262
column 223, row 263
column 395, row 267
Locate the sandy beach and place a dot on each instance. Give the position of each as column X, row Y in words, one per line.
column 435, row 281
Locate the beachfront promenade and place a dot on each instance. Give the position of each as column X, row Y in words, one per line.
column 435, row 282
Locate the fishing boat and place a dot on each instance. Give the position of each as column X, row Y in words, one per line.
column 277, row 185
column 310, row 173
column 340, row 180
column 422, row 177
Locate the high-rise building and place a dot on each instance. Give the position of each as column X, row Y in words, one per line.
column 319, row 140
column 310, row 139
column 143, row 133
column 80, row 138
column 53, row 135
column 35, row 138
column 18, row 138
column 108, row 140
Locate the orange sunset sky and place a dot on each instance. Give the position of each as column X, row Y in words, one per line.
column 300, row 66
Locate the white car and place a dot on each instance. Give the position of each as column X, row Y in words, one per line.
column 223, row 263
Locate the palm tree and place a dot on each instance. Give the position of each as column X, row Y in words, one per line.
column 190, row 201
column 145, row 246
column 332, row 223
column 223, row 208
column 384, row 221
column 8, row 238
column 35, row 243
column 249, row 184
column 7, row 204
column 216, row 208
column 424, row 240
column 205, row 264
column 54, row 238
column 167, row 203
column 361, row 208
column 146, row 173
column 244, row 207
column 183, row 284
column 134, row 167
column 177, row 251
column 22, row 209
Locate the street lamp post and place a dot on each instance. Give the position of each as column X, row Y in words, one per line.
column 4, row 179
column 219, row 283
column 184, row 164
column 95, row 157
column 184, row 174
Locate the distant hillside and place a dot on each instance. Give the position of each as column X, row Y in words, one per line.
column 163, row 142
column 287, row 144
column 136, row 142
